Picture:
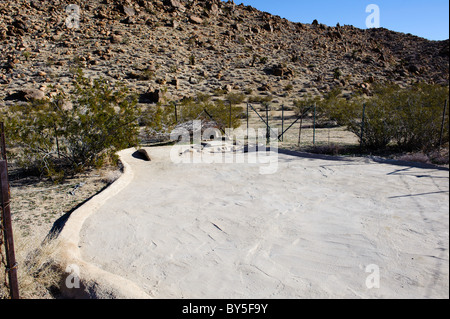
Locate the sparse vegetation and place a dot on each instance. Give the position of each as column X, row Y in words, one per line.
column 408, row 118
column 192, row 60
column 193, row 108
column 260, row 99
column 75, row 132
column 39, row 275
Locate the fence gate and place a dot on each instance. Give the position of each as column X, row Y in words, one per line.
column 283, row 131
column 6, row 233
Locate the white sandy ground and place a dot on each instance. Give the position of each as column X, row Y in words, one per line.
column 308, row 231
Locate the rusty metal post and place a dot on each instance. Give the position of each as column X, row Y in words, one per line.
column 314, row 126
column 282, row 122
column 11, row 264
column 442, row 125
column 362, row 128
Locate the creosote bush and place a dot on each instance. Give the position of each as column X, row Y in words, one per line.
column 408, row 118
column 74, row 132
column 219, row 110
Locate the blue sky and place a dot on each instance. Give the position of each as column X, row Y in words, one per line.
column 428, row 19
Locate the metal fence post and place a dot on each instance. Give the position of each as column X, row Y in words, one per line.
column 314, row 126
column 362, row 126
column 300, row 131
column 176, row 113
column 268, row 127
column 282, row 122
column 11, row 264
column 442, row 125
column 247, row 119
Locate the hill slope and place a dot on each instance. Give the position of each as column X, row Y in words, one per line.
column 186, row 47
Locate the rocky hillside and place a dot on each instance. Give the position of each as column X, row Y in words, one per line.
column 179, row 48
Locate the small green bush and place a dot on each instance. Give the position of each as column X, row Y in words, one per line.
column 219, row 110
column 73, row 133
column 409, row 118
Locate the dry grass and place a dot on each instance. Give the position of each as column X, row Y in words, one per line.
column 38, row 273
column 35, row 207
column 415, row 157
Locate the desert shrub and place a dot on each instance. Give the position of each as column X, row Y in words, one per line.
column 219, row 110
column 158, row 118
column 409, row 118
column 74, row 132
column 304, row 104
column 305, row 107
column 379, row 126
column 418, row 116
column 192, row 60
column 235, row 98
column 260, row 99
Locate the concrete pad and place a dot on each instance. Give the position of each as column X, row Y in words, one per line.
column 317, row 228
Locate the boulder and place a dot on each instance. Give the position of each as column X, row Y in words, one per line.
column 281, row 70
column 195, row 19
column 27, row 95
column 129, row 11
column 151, row 96
column 115, row 38
column 142, row 154
column 174, row 5
column 213, row 9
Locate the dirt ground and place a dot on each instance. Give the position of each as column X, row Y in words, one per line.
column 37, row 207
column 321, row 136
column 38, row 204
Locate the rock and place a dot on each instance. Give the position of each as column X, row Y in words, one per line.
column 151, row 96
column 129, row 20
column 195, row 19
column 129, row 11
column 237, row 27
column 265, row 88
column 413, row 68
column 26, row 95
column 174, row 5
column 4, row 79
column 142, row 154
column 209, row 126
column 213, row 9
column 228, row 88
column 175, row 24
column 268, row 27
column 3, row 35
column 36, row 4
column 66, row 105
column 134, row 75
column 175, row 82
column 116, row 39
column 281, row 70
column 193, row 80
